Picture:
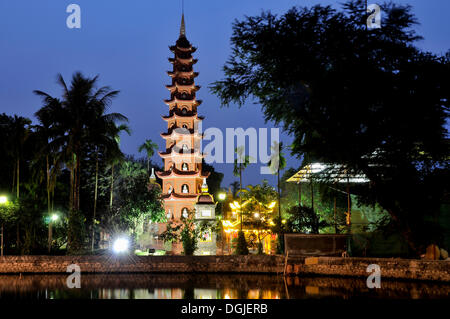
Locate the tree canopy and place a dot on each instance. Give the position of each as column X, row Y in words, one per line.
column 369, row 100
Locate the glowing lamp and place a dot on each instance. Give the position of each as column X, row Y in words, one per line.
column 121, row 245
column 222, row 196
column 3, row 200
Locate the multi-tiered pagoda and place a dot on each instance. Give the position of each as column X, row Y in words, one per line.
column 182, row 178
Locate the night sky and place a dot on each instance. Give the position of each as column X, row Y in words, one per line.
column 126, row 43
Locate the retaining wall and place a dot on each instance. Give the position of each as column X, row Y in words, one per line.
column 143, row 264
column 394, row 268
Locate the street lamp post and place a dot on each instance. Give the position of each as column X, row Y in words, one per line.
column 3, row 202
column 222, row 197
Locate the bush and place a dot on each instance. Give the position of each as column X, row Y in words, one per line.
column 241, row 247
column 280, row 244
column 189, row 242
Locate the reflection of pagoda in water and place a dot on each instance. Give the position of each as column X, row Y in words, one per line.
column 182, row 178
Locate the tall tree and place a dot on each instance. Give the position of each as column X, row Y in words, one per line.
column 240, row 163
column 105, row 138
column 73, row 121
column 353, row 97
column 18, row 134
column 149, row 147
column 277, row 163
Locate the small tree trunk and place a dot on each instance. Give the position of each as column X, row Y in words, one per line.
column 95, row 200
column 78, row 185
column 18, row 177
column 48, row 185
column 279, row 195
column 71, row 185
column 240, row 193
column 299, row 194
column 13, row 178
column 112, row 187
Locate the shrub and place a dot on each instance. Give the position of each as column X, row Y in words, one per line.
column 241, row 247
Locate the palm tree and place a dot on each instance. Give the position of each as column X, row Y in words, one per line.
column 234, row 187
column 277, row 163
column 240, row 163
column 19, row 133
column 52, row 156
column 73, row 121
column 149, row 147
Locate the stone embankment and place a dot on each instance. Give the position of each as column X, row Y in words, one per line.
column 393, row 268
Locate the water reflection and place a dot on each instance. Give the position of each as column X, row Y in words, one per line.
column 210, row 286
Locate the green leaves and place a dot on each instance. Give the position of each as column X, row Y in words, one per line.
column 188, row 231
column 9, row 212
column 134, row 199
column 149, row 147
column 369, row 100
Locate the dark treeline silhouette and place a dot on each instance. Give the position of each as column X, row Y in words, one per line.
column 70, row 164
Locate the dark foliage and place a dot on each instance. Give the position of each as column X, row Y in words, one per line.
column 368, row 100
column 241, row 246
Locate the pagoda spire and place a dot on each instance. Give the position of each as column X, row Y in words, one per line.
column 182, row 27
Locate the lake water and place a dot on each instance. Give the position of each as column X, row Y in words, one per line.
column 211, row 286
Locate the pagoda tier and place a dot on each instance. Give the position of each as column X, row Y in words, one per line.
column 182, row 74
column 182, row 49
column 173, row 134
column 176, row 116
column 183, row 176
column 174, row 172
column 178, row 197
column 186, row 61
column 180, row 101
column 179, row 87
column 182, row 154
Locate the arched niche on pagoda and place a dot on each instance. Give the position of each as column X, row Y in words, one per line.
column 169, row 188
column 185, row 189
column 185, row 147
column 185, row 212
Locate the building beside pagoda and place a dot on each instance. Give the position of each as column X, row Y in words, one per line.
column 183, row 177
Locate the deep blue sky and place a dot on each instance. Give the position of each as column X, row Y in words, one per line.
column 126, row 42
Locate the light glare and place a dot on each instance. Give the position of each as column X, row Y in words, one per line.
column 121, row 245
column 3, row 199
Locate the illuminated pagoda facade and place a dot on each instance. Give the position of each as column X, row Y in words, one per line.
column 182, row 178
